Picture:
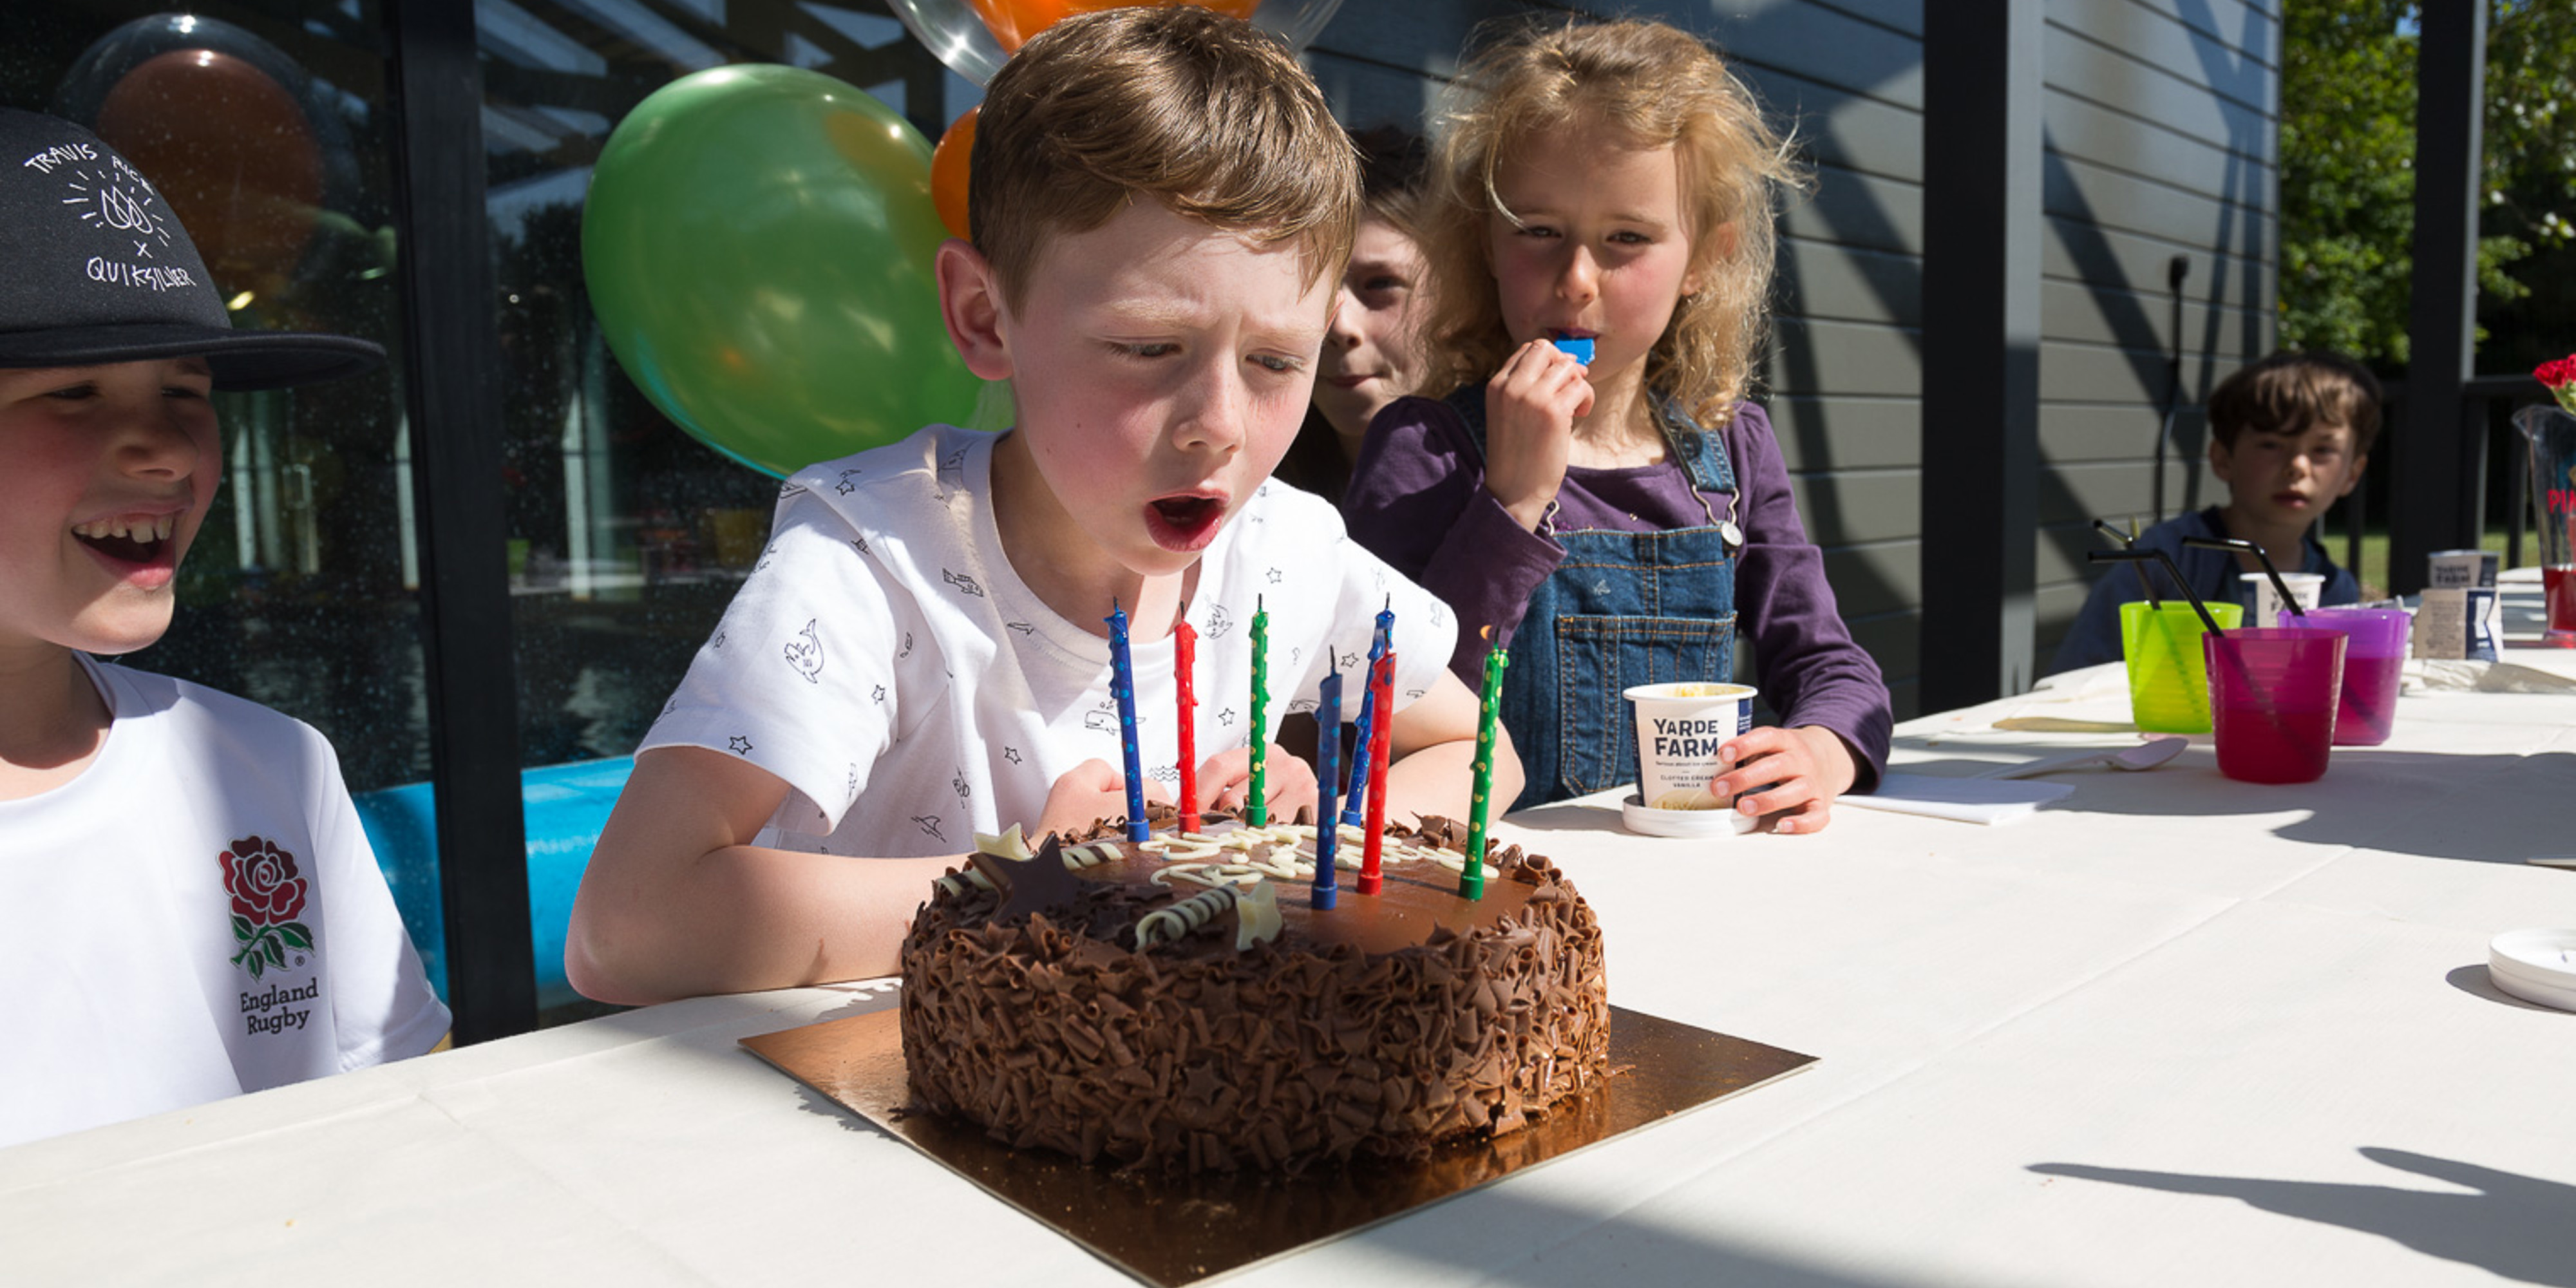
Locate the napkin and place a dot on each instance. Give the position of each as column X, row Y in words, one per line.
column 2474, row 676
column 1969, row 800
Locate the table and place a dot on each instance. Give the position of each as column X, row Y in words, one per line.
column 2174, row 1029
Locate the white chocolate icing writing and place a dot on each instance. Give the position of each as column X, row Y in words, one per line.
column 1181, row 848
column 1278, row 852
column 1227, row 875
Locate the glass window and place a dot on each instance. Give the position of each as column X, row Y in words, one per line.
column 264, row 128
column 627, row 536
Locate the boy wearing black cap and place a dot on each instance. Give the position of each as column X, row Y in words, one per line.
column 196, row 912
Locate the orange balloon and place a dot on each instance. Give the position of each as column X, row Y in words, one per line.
column 231, row 152
column 1012, row 22
column 948, row 170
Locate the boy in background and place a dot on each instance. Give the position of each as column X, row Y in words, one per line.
column 2289, row 436
column 1161, row 206
column 195, row 912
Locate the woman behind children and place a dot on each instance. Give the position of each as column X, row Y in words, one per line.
column 1374, row 353
column 1621, row 523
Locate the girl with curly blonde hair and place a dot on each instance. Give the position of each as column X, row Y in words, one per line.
column 1598, row 493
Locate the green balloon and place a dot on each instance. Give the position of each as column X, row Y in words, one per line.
column 758, row 245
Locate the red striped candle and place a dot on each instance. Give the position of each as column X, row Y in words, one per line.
column 1382, row 693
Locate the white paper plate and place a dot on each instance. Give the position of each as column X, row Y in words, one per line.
column 2536, row 966
column 1684, row 822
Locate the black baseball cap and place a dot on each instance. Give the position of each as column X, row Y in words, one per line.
column 94, row 269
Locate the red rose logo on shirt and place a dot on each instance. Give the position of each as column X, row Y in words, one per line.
column 267, row 895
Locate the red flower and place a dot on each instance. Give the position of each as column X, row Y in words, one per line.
column 263, row 882
column 2559, row 377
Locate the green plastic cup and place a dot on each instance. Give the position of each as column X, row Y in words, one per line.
column 2168, row 678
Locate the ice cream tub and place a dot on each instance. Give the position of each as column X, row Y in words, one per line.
column 1680, row 728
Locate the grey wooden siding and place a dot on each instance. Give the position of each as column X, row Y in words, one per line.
column 2162, row 136
column 2160, row 131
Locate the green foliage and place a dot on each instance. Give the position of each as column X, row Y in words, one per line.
column 2348, row 182
column 2531, row 180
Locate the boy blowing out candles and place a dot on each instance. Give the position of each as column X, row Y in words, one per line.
column 1161, row 204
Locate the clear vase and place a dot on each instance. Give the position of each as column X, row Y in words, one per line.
column 2550, row 433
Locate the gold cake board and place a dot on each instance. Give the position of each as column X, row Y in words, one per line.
column 1177, row 1230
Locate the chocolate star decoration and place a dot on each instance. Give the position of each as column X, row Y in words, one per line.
column 1029, row 885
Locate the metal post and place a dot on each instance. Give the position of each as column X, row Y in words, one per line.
column 452, row 354
column 2176, row 269
column 1981, row 259
column 2436, row 491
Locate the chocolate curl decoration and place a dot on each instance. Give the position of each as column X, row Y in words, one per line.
column 1171, row 923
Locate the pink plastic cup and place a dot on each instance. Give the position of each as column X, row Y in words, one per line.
column 2374, row 657
column 2272, row 696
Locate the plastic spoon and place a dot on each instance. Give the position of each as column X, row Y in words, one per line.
column 2146, row 755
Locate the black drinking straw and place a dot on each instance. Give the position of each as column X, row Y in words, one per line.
column 2247, row 547
column 2140, row 556
column 2128, row 541
column 2217, row 632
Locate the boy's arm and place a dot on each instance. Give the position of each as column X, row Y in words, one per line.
column 677, row 902
column 1432, row 755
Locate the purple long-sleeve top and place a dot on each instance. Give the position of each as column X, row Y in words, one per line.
column 1417, row 498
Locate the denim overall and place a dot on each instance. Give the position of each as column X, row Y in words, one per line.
column 1623, row 608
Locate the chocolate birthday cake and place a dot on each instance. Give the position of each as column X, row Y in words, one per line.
column 1177, row 1004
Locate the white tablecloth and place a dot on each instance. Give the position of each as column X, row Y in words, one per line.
column 2173, row 1029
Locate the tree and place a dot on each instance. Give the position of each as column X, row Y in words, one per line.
column 2348, row 183
column 2531, row 182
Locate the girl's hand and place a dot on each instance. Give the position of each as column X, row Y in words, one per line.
column 1086, row 794
column 1287, row 783
column 1530, row 409
column 1800, row 772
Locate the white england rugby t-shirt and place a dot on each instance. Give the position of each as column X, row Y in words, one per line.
column 197, row 915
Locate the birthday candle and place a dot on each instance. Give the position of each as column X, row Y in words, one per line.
column 1471, row 878
column 1361, row 793
column 1184, row 659
column 1122, row 686
column 1256, row 811
column 1328, row 830
column 1382, row 692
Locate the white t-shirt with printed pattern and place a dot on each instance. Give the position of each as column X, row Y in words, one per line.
column 886, row 661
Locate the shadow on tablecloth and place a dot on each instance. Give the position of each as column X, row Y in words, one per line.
column 2513, row 1225
column 2476, row 981
column 2495, row 808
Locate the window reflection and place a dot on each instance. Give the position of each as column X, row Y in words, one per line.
column 264, row 129
column 627, row 537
